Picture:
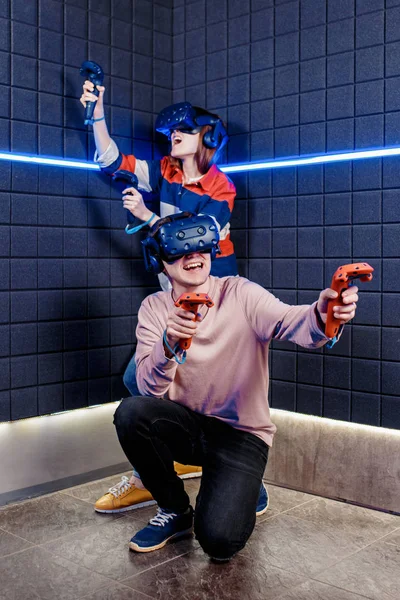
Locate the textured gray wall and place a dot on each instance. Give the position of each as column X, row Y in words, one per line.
column 295, row 77
column 305, row 77
column 71, row 280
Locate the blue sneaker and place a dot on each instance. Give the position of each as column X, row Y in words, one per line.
column 263, row 501
column 161, row 529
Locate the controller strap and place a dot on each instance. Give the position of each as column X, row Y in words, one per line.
column 138, row 227
column 91, row 121
column 331, row 342
column 335, row 339
column 180, row 361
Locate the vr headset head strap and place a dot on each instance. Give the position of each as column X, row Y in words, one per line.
column 218, row 136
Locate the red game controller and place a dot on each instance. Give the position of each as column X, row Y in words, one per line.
column 342, row 279
column 191, row 302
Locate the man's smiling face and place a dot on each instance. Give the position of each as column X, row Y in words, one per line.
column 190, row 271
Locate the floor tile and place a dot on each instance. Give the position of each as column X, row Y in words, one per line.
column 116, row 592
column 192, row 487
column 296, row 545
column 363, row 524
column 313, row 590
column 373, row 572
column 36, row 574
column 282, row 499
column 143, row 514
column 10, row 543
column 106, row 549
column 85, row 556
column 90, row 492
column 195, row 577
column 393, row 538
column 49, row 517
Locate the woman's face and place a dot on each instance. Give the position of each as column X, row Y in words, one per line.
column 183, row 144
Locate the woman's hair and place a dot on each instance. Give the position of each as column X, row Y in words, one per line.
column 204, row 156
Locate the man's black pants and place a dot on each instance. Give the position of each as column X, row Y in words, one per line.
column 154, row 432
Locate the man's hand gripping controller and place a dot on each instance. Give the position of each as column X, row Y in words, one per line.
column 191, row 302
column 342, row 279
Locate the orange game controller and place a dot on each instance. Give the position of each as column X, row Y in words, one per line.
column 191, row 302
column 343, row 278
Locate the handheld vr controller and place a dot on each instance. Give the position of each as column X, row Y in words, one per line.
column 191, row 302
column 94, row 73
column 343, row 278
column 124, row 179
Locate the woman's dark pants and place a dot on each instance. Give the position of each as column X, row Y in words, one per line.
column 154, row 432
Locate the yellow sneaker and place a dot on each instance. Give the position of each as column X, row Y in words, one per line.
column 187, row 471
column 125, row 496
column 122, row 497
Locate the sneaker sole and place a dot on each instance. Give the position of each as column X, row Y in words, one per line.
column 133, row 546
column 261, row 512
column 190, row 475
column 126, row 508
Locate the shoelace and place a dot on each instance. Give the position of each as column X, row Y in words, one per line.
column 162, row 518
column 121, row 487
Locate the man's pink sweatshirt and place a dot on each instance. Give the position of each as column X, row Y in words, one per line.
column 226, row 371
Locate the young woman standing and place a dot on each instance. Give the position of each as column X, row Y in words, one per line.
column 185, row 180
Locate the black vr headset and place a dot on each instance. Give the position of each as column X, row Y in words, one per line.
column 190, row 119
column 175, row 236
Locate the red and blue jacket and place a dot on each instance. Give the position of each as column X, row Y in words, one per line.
column 213, row 194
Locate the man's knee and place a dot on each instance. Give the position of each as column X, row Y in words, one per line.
column 216, row 542
column 129, row 413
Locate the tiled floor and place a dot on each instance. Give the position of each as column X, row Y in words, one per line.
column 304, row 548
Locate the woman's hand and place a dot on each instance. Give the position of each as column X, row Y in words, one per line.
column 88, row 96
column 133, row 201
column 343, row 313
column 180, row 325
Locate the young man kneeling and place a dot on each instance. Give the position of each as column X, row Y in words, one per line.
column 208, row 407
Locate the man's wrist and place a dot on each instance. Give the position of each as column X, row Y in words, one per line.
column 320, row 322
column 167, row 352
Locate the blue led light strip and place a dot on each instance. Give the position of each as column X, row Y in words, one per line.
column 52, row 162
column 251, row 166
column 312, row 160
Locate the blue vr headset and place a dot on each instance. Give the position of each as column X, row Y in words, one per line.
column 190, row 119
column 172, row 237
